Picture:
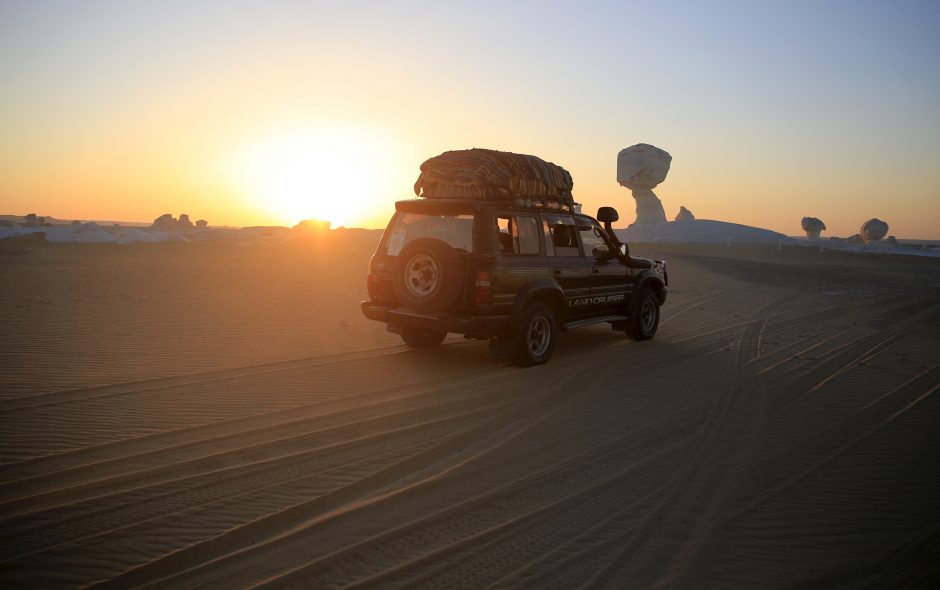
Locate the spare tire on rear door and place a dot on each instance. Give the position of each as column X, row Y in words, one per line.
column 429, row 276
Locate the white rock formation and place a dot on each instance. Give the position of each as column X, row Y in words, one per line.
column 32, row 220
column 167, row 222
column 684, row 214
column 701, row 231
column 812, row 226
column 184, row 224
column 873, row 230
column 640, row 168
column 201, row 225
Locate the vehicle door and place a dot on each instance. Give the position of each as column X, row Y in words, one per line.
column 520, row 253
column 611, row 279
column 569, row 267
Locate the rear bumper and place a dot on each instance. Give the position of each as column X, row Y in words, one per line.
column 481, row 326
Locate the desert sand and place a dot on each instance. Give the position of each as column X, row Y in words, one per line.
column 221, row 415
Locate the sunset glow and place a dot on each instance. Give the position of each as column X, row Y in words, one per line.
column 255, row 113
column 329, row 173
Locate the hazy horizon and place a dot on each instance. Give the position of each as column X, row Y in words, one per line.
column 250, row 113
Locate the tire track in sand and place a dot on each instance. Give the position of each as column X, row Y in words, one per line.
column 271, row 539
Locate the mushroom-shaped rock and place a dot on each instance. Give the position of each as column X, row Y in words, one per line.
column 684, row 214
column 640, row 168
column 873, row 230
column 201, row 224
column 30, row 220
column 812, row 226
column 892, row 240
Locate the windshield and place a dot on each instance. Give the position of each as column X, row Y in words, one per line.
column 456, row 230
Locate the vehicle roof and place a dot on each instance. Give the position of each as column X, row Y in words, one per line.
column 417, row 204
column 420, row 205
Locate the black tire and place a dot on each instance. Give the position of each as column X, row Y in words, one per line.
column 429, row 275
column 535, row 335
column 418, row 338
column 644, row 321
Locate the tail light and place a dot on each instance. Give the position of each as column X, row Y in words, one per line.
column 482, row 290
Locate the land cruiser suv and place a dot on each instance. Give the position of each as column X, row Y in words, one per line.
column 513, row 275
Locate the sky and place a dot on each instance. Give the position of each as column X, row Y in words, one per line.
column 257, row 113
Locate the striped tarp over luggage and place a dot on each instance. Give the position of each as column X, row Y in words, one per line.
column 492, row 175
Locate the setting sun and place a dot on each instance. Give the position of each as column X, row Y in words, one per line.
column 336, row 174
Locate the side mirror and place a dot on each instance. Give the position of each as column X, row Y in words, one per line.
column 607, row 215
column 624, row 249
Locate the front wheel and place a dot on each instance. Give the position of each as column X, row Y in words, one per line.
column 644, row 320
column 536, row 336
column 418, row 338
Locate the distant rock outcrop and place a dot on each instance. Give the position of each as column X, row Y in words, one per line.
column 873, row 230
column 184, row 224
column 31, row 220
column 684, row 214
column 312, row 227
column 701, row 231
column 640, row 168
column 167, row 222
column 812, row 226
column 201, row 224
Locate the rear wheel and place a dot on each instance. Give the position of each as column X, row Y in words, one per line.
column 536, row 335
column 418, row 338
column 644, row 320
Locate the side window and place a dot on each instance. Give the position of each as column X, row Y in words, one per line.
column 527, row 234
column 547, row 238
column 504, row 241
column 591, row 238
column 564, row 240
column 518, row 234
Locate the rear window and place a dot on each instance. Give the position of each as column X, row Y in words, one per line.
column 456, row 230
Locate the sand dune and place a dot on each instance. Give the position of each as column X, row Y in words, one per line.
column 215, row 415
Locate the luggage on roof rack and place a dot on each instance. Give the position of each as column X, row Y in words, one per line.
column 493, row 175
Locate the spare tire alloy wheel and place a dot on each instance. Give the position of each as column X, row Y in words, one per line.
column 429, row 276
column 536, row 336
column 421, row 275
